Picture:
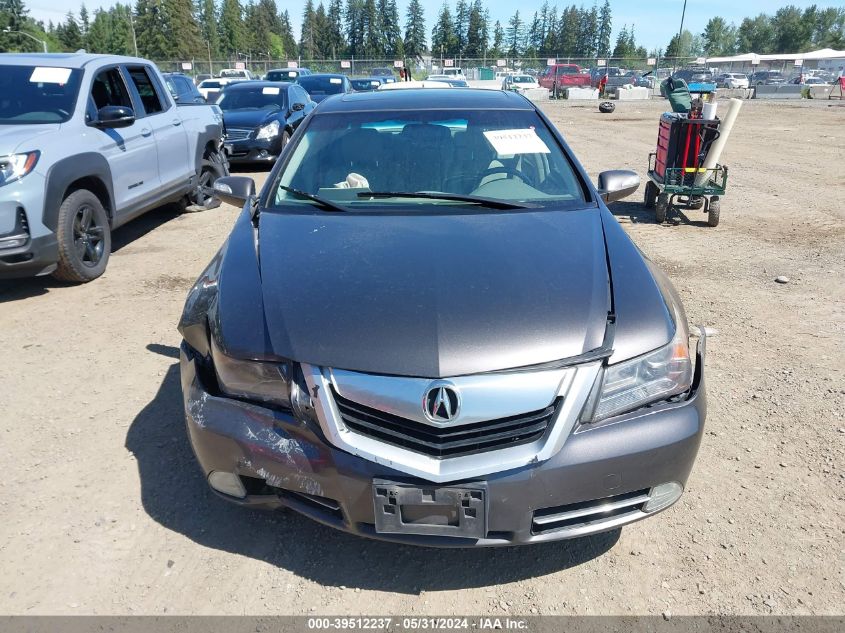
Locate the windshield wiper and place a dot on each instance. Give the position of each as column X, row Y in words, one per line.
column 326, row 204
column 491, row 203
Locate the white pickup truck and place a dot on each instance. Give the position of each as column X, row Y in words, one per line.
column 87, row 143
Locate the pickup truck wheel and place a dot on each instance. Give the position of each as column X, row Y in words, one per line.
column 202, row 198
column 84, row 238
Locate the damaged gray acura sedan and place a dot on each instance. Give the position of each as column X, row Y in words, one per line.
column 428, row 328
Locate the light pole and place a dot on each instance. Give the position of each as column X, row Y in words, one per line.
column 32, row 37
column 680, row 33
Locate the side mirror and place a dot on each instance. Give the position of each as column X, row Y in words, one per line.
column 115, row 117
column 235, row 190
column 617, row 184
column 298, row 106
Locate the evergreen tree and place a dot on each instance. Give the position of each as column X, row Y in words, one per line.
column 719, row 37
column 550, row 42
column 792, row 33
column 230, row 27
column 207, row 18
column 120, row 41
column 287, row 39
column 181, row 31
column 309, row 37
column 686, row 46
column 415, row 41
column 13, row 16
column 515, row 35
column 605, row 26
column 476, row 46
column 391, row 30
column 84, row 24
column 443, row 40
column 534, row 39
column 568, row 27
column 621, row 49
column 373, row 44
column 70, row 35
column 99, row 33
column 498, row 40
column 354, row 16
column 588, row 30
column 335, row 42
column 461, row 26
column 754, row 35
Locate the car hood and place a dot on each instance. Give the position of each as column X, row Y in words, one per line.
column 21, row 138
column 249, row 118
column 433, row 295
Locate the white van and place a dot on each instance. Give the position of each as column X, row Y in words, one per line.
column 454, row 73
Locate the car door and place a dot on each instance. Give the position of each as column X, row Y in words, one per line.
column 130, row 151
column 175, row 165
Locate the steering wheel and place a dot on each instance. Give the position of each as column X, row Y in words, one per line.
column 503, row 170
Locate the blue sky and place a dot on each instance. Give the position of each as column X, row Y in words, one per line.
column 655, row 21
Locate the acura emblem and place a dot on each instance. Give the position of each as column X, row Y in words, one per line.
column 442, row 403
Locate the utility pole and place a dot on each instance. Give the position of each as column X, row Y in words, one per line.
column 680, row 32
column 132, row 25
column 32, row 37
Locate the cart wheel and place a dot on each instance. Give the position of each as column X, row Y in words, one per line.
column 661, row 208
column 713, row 211
column 650, row 196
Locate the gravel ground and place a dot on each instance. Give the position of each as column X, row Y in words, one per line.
column 104, row 510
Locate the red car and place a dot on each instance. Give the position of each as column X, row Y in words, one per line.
column 559, row 77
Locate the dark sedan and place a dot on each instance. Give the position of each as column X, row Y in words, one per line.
column 260, row 117
column 325, row 85
column 428, row 328
column 365, row 84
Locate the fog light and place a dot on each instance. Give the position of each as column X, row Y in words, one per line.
column 14, row 241
column 663, row 496
column 227, row 483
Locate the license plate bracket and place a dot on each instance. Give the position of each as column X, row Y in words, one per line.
column 458, row 511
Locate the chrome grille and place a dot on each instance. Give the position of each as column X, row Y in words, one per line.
column 590, row 514
column 450, row 441
column 237, row 133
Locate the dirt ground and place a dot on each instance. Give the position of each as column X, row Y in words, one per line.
column 105, row 511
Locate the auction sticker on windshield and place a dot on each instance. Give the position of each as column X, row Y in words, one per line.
column 47, row 75
column 509, row 142
column 270, row 90
column 335, row 80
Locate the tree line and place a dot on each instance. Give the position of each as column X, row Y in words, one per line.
column 788, row 30
column 378, row 29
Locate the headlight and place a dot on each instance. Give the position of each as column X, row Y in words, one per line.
column 259, row 381
column 268, row 131
column 15, row 166
column 655, row 376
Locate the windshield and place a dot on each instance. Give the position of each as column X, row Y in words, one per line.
column 321, row 86
column 210, row 84
column 37, row 94
column 492, row 154
column 266, row 98
column 523, row 79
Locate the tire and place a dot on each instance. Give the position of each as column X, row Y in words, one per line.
column 606, row 107
column 211, row 168
column 650, row 195
column 285, row 141
column 84, row 238
column 713, row 210
column 696, row 202
column 661, row 208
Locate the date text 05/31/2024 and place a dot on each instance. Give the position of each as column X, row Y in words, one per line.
column 416, row 623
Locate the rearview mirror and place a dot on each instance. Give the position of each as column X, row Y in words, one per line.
column 115, row 117
column 298, row 106
column 616, row 184
column 235, row 190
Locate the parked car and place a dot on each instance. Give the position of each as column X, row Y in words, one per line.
column 382, row 72
column 182, row 88
column 365, row 84
column 320, row 86
column 454, row 73
column 428, row 328
column 210, row 89
column 767, row 78
column 732, row 80
column 260, row 118
column 519, row 83
column 89, row 142
column 454, row 83
column 198, row 79
column 559, row 77
column 236, row 73
column 597, row 73
column 286, row 74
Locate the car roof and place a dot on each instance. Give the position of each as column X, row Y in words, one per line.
column 65, row 60
column 248, row 85
column 318, row 75
column 426, row 99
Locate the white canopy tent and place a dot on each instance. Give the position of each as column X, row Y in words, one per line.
column 751, row 58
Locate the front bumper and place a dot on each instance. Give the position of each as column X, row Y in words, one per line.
column 252, row 150
column 37, row 257
column 287, row 463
